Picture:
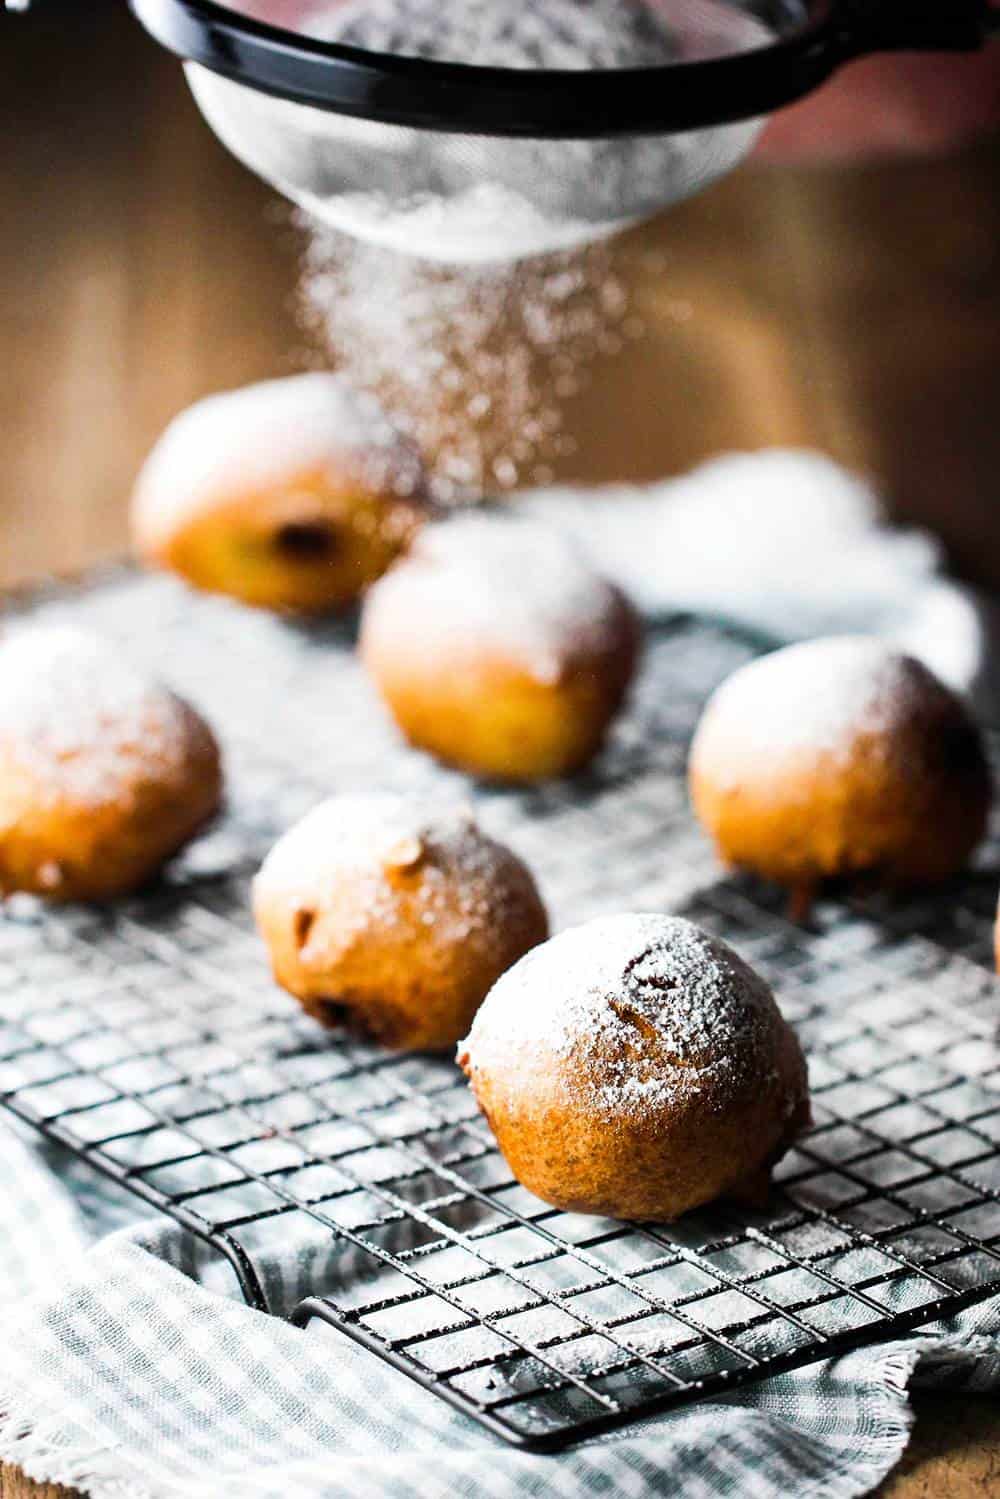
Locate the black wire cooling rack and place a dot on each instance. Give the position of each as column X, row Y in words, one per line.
column 362, row 1188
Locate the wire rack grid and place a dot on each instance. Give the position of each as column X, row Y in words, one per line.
column 364, row 1188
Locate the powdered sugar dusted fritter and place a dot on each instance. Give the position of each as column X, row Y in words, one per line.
column 394, row 917
column 289, row 494
column 513, row 589
column 249, row 440
column 499, row 649
column 104, row 773
column 837, row 757
column 636, row 1067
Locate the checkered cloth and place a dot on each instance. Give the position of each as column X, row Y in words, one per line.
column 125, row 1372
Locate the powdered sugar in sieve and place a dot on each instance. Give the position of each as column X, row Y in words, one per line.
column 476, row 198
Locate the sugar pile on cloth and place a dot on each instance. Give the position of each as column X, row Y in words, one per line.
column 127, row 1370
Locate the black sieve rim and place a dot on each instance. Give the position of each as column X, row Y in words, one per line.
column 464, row 99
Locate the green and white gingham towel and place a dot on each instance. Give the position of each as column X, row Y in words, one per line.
column 124, row 1374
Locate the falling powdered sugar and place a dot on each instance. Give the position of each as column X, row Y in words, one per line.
column 477, row 357
column 633, row 1013
column 476, row 363
column 476, row 347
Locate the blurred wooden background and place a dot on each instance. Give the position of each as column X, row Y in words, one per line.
column 854, row 310
column 140, row 267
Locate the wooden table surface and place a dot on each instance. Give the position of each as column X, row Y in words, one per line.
column 854, row 311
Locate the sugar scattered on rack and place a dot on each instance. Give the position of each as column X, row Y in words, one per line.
column 558, row 1252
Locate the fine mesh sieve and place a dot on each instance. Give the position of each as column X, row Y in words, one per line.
column 461, row 198
column 490, row 129
column 458, row 196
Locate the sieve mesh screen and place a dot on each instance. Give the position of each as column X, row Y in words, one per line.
column 447, row 196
